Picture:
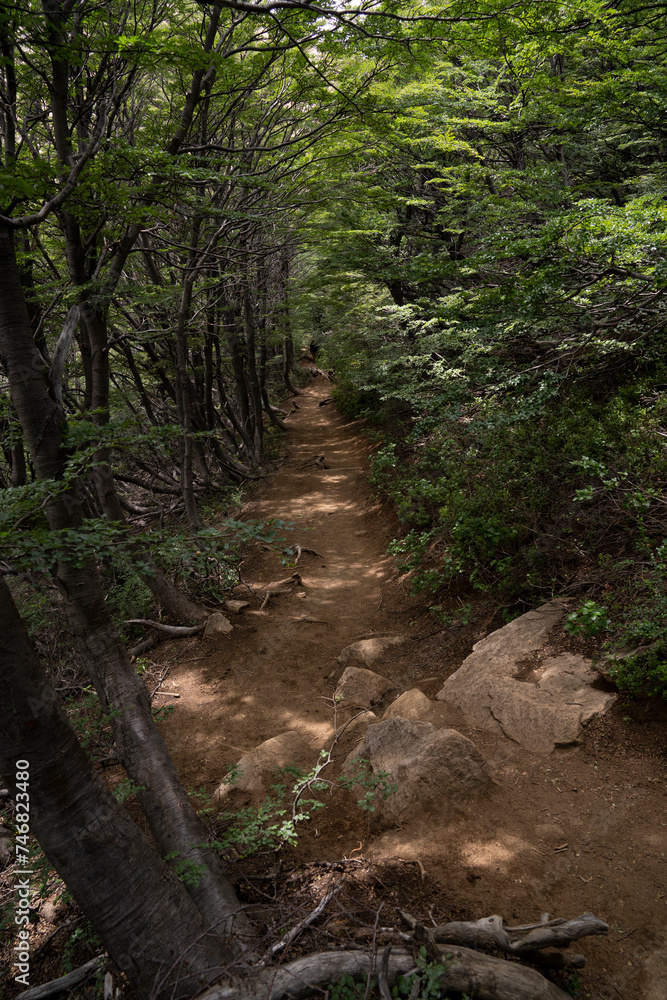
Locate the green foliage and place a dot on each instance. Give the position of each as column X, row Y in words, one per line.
column 643, row 674
column 373, row 786
column 348, row 988
column 425, row 983
column 188, row 871
column 81, row 936
column 590, row 619
column 273, row 824
column 125, row 789
column 427, row 976
column 89, row 722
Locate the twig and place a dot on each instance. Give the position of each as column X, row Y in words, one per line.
column 307, row 620
column 47, row 940
column 289, row 937
column 160, row 681
column 383, row 982
column 374, row 952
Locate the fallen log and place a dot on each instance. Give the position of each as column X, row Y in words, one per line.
column 66, row 984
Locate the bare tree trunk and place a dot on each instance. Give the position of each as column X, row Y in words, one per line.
column 288, row 343
column 273, row 416
column 18, row 474
column 255, row 395
column 140, row 746
column 146, row 920
column 183, row 404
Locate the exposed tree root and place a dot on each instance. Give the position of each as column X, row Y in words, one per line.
column 280, row 587
column 465, row 971
column 298, row 551
column 173, row 630
column 490, row 932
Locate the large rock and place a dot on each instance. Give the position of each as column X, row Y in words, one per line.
column 351, row 735
column 255, row 772
column 360, row 688
column 433, row 770
column 369, row 651
column 548, row 710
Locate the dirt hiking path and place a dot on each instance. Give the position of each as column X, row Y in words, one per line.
column 580, row 829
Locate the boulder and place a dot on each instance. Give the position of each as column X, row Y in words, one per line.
column 433, row 770
column 254, row 774
column 414, row 704
column 217, row 623
column 547, row 711
column 360, row 688
column 369, row 651
column 411, row 704
column 352, row 735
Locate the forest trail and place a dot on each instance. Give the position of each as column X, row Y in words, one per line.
column 576, row 830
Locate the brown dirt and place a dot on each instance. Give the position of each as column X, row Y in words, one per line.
column 582, row 829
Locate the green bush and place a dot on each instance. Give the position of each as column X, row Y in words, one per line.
column 644, row 674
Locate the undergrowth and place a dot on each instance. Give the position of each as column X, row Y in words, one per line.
column 521, row 485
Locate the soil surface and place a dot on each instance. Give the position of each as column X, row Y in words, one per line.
column 582, row 829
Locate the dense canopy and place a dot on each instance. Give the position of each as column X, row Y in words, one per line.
column 459, row 207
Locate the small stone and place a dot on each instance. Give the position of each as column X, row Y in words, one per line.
column 550, row 832
column 237, row 606
column 217, row 623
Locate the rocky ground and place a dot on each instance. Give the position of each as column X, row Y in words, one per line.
column 555, row 818
column 521, row 785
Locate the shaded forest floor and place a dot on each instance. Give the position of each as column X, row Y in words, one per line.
column 580, row 829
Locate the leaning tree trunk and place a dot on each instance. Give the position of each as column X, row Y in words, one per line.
column 288, row 343
column 141, row 749
column 255, row 395
column 143, row 915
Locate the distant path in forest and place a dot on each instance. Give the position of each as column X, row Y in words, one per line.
column 580, row 829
